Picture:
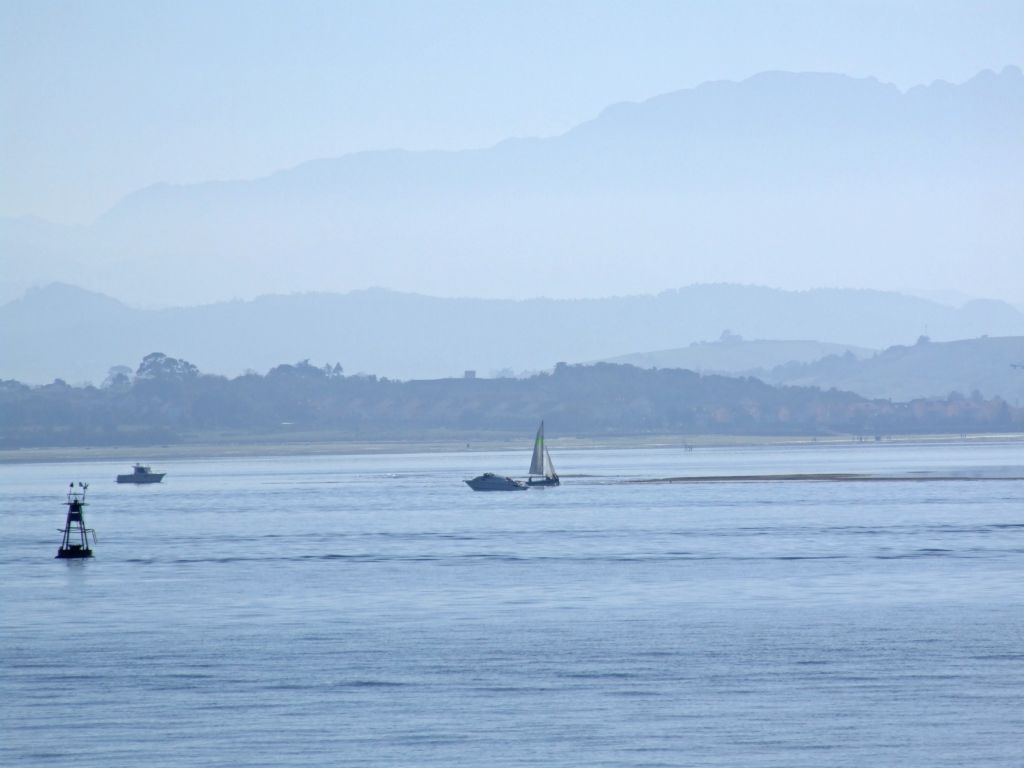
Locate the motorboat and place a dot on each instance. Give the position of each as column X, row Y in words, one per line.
column 141, row 475
column 489, row 481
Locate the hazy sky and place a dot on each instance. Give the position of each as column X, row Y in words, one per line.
column 102, row 98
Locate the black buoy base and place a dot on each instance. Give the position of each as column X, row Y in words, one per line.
column 73, row 552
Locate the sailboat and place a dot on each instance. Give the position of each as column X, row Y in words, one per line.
column 542, row 471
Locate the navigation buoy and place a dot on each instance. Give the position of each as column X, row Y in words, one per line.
column 75, row 543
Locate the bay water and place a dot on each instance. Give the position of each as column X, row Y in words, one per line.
column 372, row 610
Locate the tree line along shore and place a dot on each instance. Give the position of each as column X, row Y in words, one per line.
column 168, row 401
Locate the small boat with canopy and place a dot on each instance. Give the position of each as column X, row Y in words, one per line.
column 141, row 475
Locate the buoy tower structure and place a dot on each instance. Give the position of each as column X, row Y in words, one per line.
column 75, row 543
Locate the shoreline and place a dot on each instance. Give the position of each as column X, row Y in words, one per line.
column 221, row 450
column 834, row 477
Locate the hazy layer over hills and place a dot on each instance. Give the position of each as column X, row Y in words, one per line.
column 797, row 180
column 65, row 332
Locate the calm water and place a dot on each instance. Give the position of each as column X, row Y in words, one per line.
column 374, row 611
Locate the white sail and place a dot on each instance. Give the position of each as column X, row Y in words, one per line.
column 549, row 468
column 537, row 462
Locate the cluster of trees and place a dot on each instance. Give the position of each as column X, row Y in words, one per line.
column 170, row 400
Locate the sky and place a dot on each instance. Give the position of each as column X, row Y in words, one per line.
column 98, row 99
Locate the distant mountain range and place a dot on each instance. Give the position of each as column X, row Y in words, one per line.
column 991, row 367
column 786, row 179
column 67, row 332
column 732, row 354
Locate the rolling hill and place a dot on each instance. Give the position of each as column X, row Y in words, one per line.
column 986, row 367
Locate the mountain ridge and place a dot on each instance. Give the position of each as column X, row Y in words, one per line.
column 988, row 366
column 612, row 110
column 70, row 333
column 790, row 179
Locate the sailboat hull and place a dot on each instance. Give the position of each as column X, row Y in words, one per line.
column 546, row 482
